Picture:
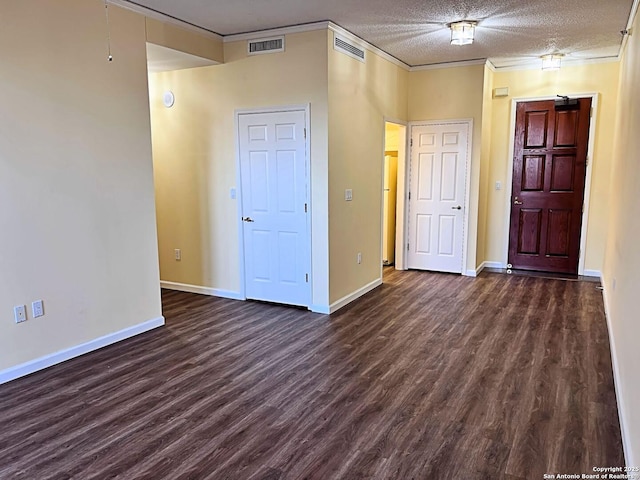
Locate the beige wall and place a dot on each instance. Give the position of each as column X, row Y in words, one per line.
column 194, row 153
column 454, row 93
column 391, row 137
column 361, row 95
column 622, row 259
column 183, row 40
column 76, row 187
column 485, row 164
column 599, row 78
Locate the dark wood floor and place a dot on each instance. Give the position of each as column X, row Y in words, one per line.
column 431, row 376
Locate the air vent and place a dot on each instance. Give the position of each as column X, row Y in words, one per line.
column 342, row 45
column 265, row 45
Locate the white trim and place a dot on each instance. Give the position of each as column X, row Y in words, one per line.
column 306, row 108
column 467, row 194
column 592, row 273
column 399, row 255
column 476, row 272
column 497, row 265
column 437, row 66
column 306, row 27
column 147, row 12
column 617, row 382
column 337, row 305
column 536, row 64
column 69, row 353
column 588, row 173
column 213, row 292
column 490, row 65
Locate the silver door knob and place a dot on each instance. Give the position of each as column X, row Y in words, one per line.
column 517, row 202
column 247, row 219
column 456, row 208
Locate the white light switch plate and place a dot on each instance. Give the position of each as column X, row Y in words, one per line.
column 37, row 308
column 348, row 194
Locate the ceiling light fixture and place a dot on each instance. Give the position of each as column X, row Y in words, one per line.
column 552, row 62
column 462, row 32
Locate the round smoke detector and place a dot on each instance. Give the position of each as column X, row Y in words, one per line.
column 168, row 99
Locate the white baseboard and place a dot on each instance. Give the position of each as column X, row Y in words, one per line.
column 626, row 442
column 476, row 272
column 63, row 355
column 592, row 273
column 498, row 265
column 213, row 292
column 337, row 305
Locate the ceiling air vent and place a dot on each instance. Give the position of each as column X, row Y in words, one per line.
column 265, row 45
column 342, row 45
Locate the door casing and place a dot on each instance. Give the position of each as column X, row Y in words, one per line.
column 407, row 186
column 276, row 109
column 587, row 186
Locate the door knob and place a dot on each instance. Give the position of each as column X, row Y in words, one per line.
column 517, row 202
column 456, row 208
column 247, row 219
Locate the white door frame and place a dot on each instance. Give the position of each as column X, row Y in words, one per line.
column 400, row 203
column 467, row 186
column 587, row 185
column 249, row 111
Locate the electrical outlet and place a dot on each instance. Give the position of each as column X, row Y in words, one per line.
column 359, row 257
column 178, row 254
column 37, row 308
column 20, row 313
column 348, row 194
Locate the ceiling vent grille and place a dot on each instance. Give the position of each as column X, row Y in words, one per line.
column 265, row 45
column 342, row 45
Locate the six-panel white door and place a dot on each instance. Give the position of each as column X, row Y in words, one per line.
column 274, row 206
column 437, row 196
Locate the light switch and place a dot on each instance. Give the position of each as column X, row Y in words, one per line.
column 37, row 308
column 498, row 185
column 348, row 194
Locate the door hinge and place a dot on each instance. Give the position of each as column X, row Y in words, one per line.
column 305, row 133
column 409, row 195
column 407, row 247
column 411, row 143
column 591, row 112
column 305, row 208
column 306, row 277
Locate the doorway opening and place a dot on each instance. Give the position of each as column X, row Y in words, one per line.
column 395, row 141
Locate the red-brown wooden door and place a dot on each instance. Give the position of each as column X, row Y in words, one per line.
column 549, row 170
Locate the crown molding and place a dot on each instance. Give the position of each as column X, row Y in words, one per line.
column 535, row 64
column 257, row 34
column 438, row 66
column 150, row 13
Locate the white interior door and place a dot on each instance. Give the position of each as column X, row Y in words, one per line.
column 437, row 196
column 274, row 179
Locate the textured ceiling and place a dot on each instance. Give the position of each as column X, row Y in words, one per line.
column 509, row 32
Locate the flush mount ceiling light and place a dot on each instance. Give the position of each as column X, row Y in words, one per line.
column 552, row 62
column 462, row 32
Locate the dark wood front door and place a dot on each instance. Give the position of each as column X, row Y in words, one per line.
column 549, row 169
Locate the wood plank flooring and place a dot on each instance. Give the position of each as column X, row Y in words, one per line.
column 431, row 376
